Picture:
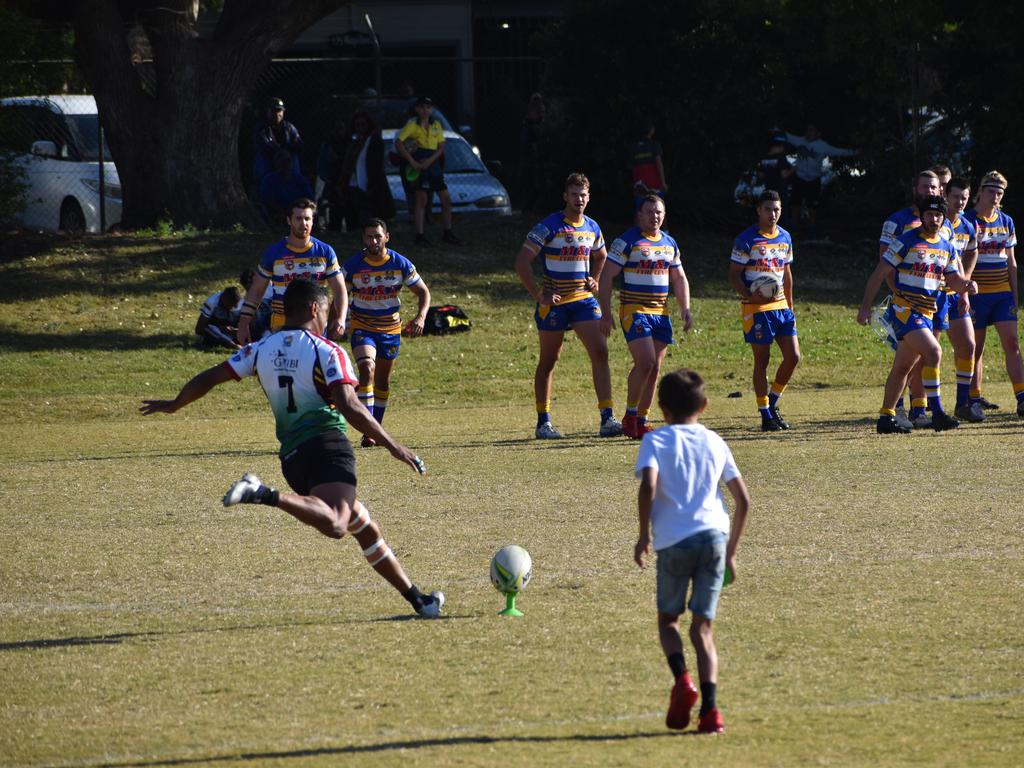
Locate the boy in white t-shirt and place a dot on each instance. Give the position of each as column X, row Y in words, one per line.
column 681, row 467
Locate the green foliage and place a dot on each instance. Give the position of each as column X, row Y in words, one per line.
column 24, row 45
column 12, row 188
column 715, row 77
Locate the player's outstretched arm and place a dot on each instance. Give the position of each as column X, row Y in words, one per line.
column 346, row 401
column 199, row 385
column 741, row 497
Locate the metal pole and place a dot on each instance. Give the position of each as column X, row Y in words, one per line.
column 103, row 186
column 376, row 57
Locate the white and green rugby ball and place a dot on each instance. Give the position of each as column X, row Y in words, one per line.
column 511, row 568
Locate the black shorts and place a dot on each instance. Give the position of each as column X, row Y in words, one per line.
column 321, row 459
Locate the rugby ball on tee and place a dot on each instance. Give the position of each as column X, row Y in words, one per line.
column 511, row 568
column 766, row 286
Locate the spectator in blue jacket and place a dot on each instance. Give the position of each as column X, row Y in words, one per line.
column 275, row 133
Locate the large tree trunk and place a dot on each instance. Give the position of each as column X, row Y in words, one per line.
column 176, row 145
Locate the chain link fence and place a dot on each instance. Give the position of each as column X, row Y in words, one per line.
column 56, row 171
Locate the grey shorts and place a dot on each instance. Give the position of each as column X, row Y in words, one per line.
column 699, row 558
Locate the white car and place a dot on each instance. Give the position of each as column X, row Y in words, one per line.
column 54, row 140
column 474, row 190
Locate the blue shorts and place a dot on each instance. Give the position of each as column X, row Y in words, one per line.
column 560, row 317
column 940, row 320
column 953, row 300
column 386, row 344
column 699, row 558
column 640, row 325
column 990, row 308
column 763, row 327
column 904, row 320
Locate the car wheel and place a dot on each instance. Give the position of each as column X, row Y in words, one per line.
column 72, row 220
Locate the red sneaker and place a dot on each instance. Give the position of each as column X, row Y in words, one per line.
column 711, row 722
column 630, row 427
column 367, row 442
column 684, row 696
column 643, row 429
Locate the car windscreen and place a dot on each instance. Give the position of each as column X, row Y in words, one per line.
column 458, row 158
column 84, row 131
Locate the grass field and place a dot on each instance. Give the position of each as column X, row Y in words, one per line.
column 876, row 619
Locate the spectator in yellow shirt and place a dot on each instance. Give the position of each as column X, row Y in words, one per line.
column 421, row 145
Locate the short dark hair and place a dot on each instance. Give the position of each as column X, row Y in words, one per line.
column 230, row 297
column 651, row 198
column 301, row 203
column 300, row 293
column 959, row 182
column 375, row 222
column 577, row 179
column 768, row 196
column 681, row 393
column 941, row 170
column 246, row 277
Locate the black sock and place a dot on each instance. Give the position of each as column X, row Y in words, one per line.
column 267, row 495
column 677, row 665
column 707, row 697
column 414, row 596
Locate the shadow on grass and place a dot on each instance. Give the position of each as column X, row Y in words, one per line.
column 111, row 340
column 138, row 455
column 116, row 638
column 358, row 749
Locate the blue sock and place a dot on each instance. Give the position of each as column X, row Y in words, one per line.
column 918, row 410
column 899, row 403
column 543, row 418
column 773, row 399
column 934, row 404
column 963, row 394
column 606, row 413
column 378, row 413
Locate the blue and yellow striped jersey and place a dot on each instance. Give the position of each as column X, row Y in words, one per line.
column 646, row 266
column 565, row 247
column 920, row 264
column 373, row 286
column 281, row 263
column 994, row 236
column 763, row 252
column 962, row 234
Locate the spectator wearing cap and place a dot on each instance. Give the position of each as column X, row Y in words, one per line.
column 276, row 133
column 421, row 144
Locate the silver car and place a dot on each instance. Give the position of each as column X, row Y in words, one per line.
column 475, row 192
